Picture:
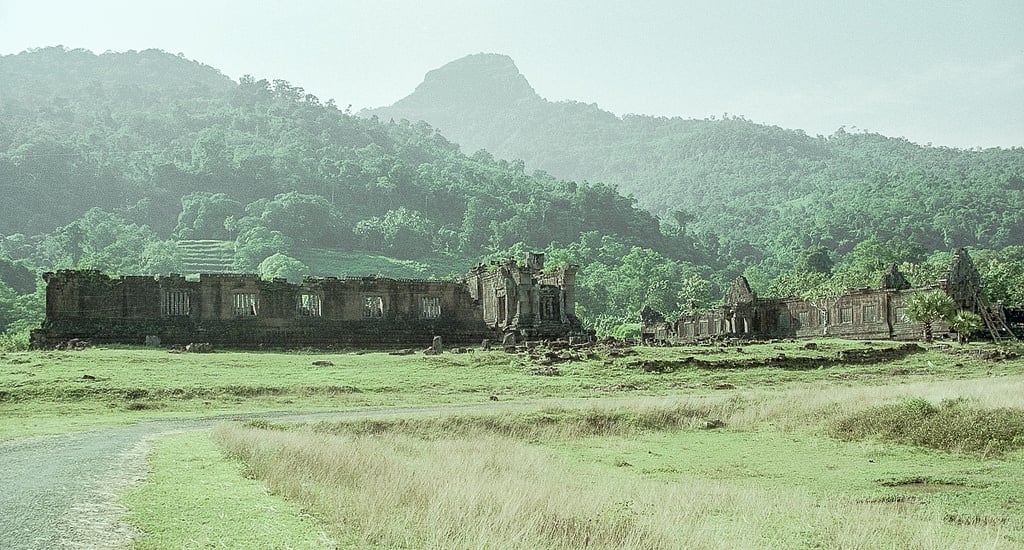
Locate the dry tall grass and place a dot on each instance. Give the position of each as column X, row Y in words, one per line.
column 818, row 404
column 471, row 483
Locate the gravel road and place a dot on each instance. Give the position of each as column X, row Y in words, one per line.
column 61, row 491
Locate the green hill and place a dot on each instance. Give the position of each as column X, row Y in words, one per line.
column 750, row 188
column 138, row 133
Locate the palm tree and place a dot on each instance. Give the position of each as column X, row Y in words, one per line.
column 928, row 307
column 965, row 324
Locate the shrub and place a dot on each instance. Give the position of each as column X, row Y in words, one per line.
column 552, row 422
column 954, row 425
column 14, row 341
column 624, row 331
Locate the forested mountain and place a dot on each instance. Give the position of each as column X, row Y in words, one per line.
column 135, row 132
column 80, row 130
column 750, row 188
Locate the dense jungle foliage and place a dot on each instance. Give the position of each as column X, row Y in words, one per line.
column 111, row 161
column 747, row 190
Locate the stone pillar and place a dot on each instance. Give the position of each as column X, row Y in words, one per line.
column 562, row 315
column 568, row 284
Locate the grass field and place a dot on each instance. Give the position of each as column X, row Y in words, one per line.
column 55, row 391
column 837, row 445
column 639, row 475
column 194, row 490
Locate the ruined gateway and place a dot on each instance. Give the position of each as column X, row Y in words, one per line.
column 868, row 314
column 244, row 311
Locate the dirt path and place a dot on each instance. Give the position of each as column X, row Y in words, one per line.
column 62, row 491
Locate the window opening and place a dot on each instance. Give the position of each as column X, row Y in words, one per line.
column 373, row 307
column 310, row 305
column 175, row 302
column 245, row 304
column 430, row 307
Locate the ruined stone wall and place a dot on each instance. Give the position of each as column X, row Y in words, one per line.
column 879, row 314
column 702, row 325
column 905, row 329
column 756, row 317
column 565, row 280
column 860, row 315
column 217, row 294
column 496, row 290
column 805, row 318
column 245, row 311
column 865, row 314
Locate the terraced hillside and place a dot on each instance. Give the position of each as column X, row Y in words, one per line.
column 207, row 256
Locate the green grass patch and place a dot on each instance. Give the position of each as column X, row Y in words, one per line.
column 952, row 425
column 634, row 475
column 53, row 391
column 722, row 446
column 193, row 498
column 910, row 494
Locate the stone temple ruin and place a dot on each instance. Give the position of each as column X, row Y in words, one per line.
column 526, row 300
column 868, row 314
column 501, row 301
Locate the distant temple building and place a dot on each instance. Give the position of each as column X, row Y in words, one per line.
column 526, row 300
column 246, row 311
column 868, row 314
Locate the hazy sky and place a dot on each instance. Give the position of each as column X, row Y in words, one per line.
column 949, row 73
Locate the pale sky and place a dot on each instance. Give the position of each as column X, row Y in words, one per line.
column 947, row 73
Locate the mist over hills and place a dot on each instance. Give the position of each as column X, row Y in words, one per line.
column 745, row 182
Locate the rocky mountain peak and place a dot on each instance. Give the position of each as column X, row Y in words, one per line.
column 483, row 79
